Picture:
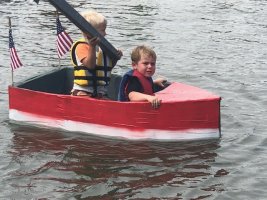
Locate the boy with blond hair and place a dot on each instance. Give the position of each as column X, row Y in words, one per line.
column 92, row 66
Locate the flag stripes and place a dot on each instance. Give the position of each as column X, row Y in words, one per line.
column 15, row 61
column 64, row 41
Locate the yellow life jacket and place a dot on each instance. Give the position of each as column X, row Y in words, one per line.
column 99, row 76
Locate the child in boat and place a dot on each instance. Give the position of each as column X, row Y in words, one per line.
column 137, row 84
column 92, row 66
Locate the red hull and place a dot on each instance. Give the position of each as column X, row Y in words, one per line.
column 183, row 108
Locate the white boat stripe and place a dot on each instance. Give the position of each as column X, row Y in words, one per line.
column 101, row 130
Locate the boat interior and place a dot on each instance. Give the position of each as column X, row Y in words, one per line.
column 60, row 81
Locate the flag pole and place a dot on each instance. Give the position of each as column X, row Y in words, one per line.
column 12, row 71
column 59, row 60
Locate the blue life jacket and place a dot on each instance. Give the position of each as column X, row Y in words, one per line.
column 121, row 95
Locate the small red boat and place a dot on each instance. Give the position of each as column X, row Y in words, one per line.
column 186, row 112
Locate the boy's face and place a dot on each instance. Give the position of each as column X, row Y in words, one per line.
column 102, row 29
column 146, row 65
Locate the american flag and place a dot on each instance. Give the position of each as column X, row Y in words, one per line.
column 15, row 61
column 64, row 41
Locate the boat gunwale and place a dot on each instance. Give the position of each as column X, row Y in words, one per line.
column 116, row 101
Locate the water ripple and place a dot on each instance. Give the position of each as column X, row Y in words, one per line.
column 216, row 45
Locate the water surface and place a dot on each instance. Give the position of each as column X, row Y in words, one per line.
column 216, row 45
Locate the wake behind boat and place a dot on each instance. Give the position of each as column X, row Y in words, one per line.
column 186, row 112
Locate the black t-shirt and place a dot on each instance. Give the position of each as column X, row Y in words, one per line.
column 133, row 85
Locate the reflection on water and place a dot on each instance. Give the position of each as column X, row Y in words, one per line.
column 88, row 166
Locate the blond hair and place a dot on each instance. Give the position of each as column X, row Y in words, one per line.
column 142, row 50
column 94, row 18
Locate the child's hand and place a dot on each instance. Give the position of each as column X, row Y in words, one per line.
column 93, row 41
column 160, row 82
column 119, row 53
column 155, row 101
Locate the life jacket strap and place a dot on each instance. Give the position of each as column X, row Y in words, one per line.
column 91, row 78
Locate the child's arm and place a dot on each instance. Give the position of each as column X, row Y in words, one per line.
column 90, row 59
column 160, row 82
column 137, row 96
